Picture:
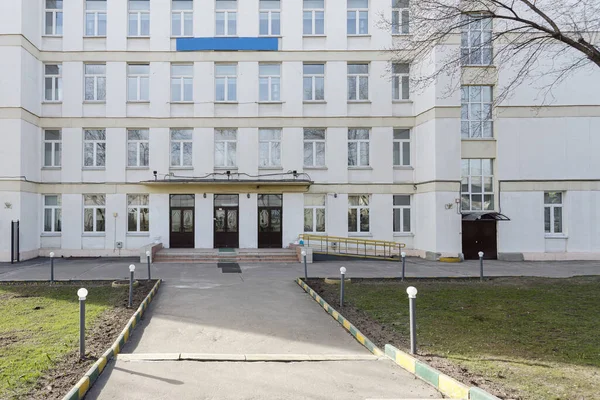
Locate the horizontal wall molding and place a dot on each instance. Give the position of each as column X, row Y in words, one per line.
column 549, row 185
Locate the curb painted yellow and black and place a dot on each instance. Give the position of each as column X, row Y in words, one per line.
column 362, row 339
column 80, row 389
column 448, row 386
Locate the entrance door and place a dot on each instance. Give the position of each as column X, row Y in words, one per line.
column 270, row 213
column 182, row 221
column 479, row 235
column 227, row 221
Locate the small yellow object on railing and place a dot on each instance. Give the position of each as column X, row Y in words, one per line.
column 354, row 247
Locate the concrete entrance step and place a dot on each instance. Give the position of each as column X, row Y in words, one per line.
column 245, row 357
column 211, row 256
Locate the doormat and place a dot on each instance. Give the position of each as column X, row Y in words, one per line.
column 230, row 268
column 226, row 250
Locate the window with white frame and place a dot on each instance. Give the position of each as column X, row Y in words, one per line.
column 94, row 148
column 400, row 17
column 476, row 112
column 138, row 147
column 314, row 82
column 401, row 147
column 553, row 213
column 182, row 18
column 358, row 214
column 358, row 147
column 52, row 213
column 53, row 82
column 358, row 17
column 138, row 82
column 95, row 17
column 94, row 213
column 314, row 147
column 269, row 20
column 95, row 82
column 476, row 40
column 313, row 19
column 53, row 21
column 226, row 17
column 225, row 147
column 225, row 82
column 401, row 210
column 182, row 82
column 477, row 186
column 52, row 148
column 269, row 82
column 358, row 82
column 181, row 147
column 138, row 213
column 314, row 213
column 400, row 81
column 269, row 147
column 139, row 17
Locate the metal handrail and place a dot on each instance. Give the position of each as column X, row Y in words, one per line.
column 356, row 247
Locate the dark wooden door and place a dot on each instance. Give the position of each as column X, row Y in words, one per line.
column 182, row 227
column 269, row 227
column 479, row 236
column 227, row 227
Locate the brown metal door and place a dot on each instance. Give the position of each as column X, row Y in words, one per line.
column 226, row 228
column 479, row 236
column 270, row 218
column 181, row 221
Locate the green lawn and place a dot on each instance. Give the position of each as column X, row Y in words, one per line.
column 539, row 336
column 38, row 325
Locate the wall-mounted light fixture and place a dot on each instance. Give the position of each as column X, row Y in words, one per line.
column 248, row 195
column 155, row 175
column 204, row 195
column 335, row 195
column 228, row 174
column 295, row 173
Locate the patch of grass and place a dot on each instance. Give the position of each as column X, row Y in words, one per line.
column 39, row 325
column 538, row 335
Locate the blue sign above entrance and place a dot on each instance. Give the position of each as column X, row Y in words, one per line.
column 228, row 44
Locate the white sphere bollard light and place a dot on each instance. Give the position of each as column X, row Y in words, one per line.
column 480, row 254
column 51, row 267
column 342, row 282
column 82, row 294
column 412, row 292
column 131, row 270
column 412, row 297
column 303, row 253
column 51, row 254
column 343, row 270
column 148, row 260
column 403, row 255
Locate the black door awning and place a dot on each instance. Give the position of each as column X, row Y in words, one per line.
column 484, row 216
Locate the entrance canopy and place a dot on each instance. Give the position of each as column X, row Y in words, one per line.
column 484, row 216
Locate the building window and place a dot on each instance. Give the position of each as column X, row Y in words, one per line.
column 553, row 213
column 269, row 147
column 358, row 214
column 54, row 18
column 95, row 18
column 138, row 82
column 139, row 17
column 95, row 82
column 52, row 148
column 138, row 147
column 181, row 147
column 226, row 17
column 358, row 147
column 269, row 22
column 94, row 148
column 314, row 147
column 402, row 213
column 53, row 82
column 138, row 213
column 182, row 82
column 52, row 213
column 400, row 17
column 476, row 112
column 476, row 40
column 477, row 187
column 226, row 82
column 182, row 18
column 94, row 213
column 314, row 82
column 269, row 81
column 314, row 213
column 314, row 17
column 358, row 17
column 401, row 147
column 225, row 147
column 400, row 86
column 358, row 81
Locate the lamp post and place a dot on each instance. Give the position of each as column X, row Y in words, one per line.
column 412, row 298
column 305, row 268
column 403, row 254
column 51, row 267
column 82, row 294
column 342, row 281
column 131, row 270
column 480, row 265
column 148, row 258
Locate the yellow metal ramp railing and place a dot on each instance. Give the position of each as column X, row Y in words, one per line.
column 352, row 247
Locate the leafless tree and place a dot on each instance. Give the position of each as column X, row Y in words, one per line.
column 525, row 39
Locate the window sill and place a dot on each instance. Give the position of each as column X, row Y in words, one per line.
column 51, row 168
column 402, row 34
column 182, row 102
column 314, row 102
column 181, row 37
column 226, row 169
column 270, row 102
column 479, row 139
column 403, row 234
column 358, row 168
column 52, row 36
column 51, row 101
column 365, row 35
column 231, row 36
column 93, row 169
column 555, row 236
column 403, row 167
column 359, row 101
column 138, row 234
column 94, row 37
column 271, row 168
column 138, row 37
column 316, row 168
column 271, row 36
column 227, row 102
column 360, row 234
column 401, row 101
column 93, row 234
column 94, row 102
column 478, row 66
column 137, row 168
column 179, row 168
column 138, row 101
column 315, row 36
column 51, row 234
